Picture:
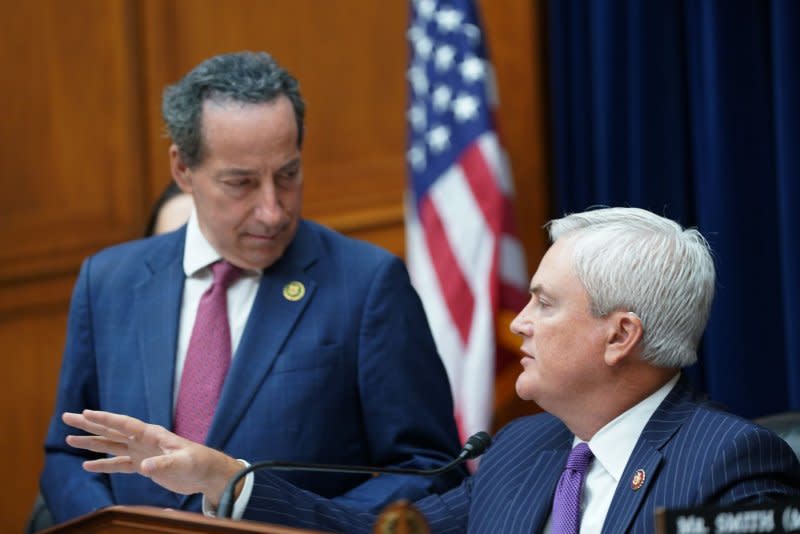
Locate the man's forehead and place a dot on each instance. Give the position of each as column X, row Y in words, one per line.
column 556, row 263
column 560, row 252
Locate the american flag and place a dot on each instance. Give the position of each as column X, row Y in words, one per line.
column 463, row 255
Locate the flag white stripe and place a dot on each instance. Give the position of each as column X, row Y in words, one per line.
column 466, row 229
column 512, row 261
column 497, row 160
column 476, row 395
column 423, row 276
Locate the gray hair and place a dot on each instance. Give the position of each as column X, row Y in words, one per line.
column 249, row 77
column 631, row 259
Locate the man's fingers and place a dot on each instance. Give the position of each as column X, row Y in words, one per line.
column 79, row 421
column 118, row 464
column 133, row 430
column 98, row 444
column 125, row 425
column 136, row 447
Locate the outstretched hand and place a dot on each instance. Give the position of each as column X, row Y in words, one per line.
column 176, row 463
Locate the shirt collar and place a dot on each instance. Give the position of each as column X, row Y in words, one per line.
column 613, row 444
column 198, row 252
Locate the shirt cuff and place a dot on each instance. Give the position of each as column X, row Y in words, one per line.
column 241, row 501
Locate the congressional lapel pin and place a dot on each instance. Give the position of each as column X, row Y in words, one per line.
column 638, row 479
column 294, row 291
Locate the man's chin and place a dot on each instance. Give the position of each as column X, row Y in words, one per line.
column 259, row 264
column 523, row 388
column 253, row 260
column 266, row 258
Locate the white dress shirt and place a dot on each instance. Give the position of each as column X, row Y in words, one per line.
column 198, row 255
column 612, row 446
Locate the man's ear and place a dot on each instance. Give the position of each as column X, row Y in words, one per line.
column 625, row 333
column 180, row 171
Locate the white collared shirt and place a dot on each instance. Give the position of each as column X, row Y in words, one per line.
column 198, row 255
column 612, row 446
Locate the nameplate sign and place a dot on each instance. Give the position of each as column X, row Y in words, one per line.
column 782, row 516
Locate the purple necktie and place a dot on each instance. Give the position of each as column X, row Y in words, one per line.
column 207, row 358
column 566, row 516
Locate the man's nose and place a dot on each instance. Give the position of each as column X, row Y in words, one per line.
column 516, row 325
column 521, row 325
column 268, row 209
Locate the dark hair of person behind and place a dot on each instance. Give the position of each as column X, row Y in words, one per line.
column 172, row 190
column 249, row 77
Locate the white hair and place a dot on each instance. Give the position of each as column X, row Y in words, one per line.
column 631, row 259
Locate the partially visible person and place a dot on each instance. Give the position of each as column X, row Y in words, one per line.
column 170, row 211
column 618, row 305
column 250, row 329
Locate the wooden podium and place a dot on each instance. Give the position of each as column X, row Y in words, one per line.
column 151, row 520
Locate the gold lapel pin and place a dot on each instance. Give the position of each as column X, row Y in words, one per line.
column 638, row 479
column 294, row 291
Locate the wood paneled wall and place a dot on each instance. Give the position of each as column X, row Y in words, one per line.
column 83, row 155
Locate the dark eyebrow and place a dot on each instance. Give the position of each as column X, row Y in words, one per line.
column 536, row 289
column 292, row 165
column 235, row 171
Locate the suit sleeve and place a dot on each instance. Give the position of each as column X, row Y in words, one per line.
column 69, row 490
column 406, row 402
column 754, row 467
column 275, row 500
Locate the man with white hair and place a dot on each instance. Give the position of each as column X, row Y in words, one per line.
column 618, row 305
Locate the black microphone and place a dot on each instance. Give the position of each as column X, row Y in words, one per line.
column 475, row 446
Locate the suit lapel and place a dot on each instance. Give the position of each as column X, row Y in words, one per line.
column 269, row 324
column 627, row 501
column 532, row 502
column 542, row 485
column 647, row 456
column 157, row 303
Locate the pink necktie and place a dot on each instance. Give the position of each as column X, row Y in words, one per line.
column 566, row 516
column 207, row 358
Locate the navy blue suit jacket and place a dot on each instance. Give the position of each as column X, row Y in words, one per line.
column 692, row 454
column 349, row 374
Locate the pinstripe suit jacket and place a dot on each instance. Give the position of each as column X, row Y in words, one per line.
column 692, row 453
column 348, row 374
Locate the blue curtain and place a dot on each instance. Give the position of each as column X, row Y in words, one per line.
column 692, row 109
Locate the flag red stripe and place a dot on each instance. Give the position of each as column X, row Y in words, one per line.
column 455, row 289
column 497, row 208
column 509, row 220
column 483, row 184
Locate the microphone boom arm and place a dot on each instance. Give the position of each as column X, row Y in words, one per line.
column 475, row 446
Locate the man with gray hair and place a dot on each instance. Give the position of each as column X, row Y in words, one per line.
column 250, row 329
column 618, row 305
